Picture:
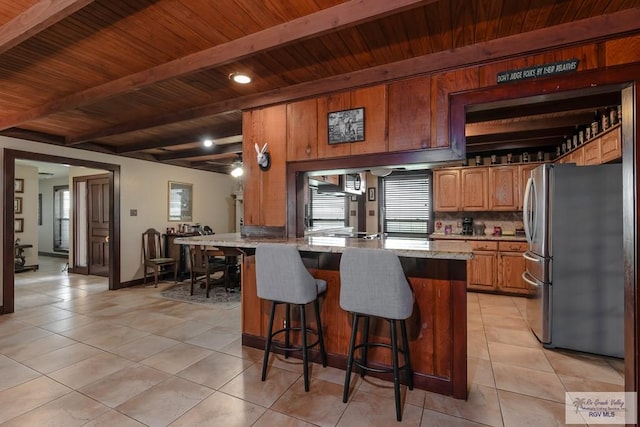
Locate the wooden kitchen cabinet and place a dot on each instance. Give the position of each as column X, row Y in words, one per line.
column 611, row 146
column 481, row 270
column 602, row 149
column 524, row 173
column 474, row 183
column 591, row 154
column 511, row 265
column 503, row 188
column 446, row 190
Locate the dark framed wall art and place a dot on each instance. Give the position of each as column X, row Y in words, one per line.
column 346, row 126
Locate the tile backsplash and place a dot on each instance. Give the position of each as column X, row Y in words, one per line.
column 508, row 221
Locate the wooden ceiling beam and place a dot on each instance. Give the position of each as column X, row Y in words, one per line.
column 158, row 121
column 332, row 19
column 195, row 136
column 200, row 152
column 37, row 18
column 587, row 30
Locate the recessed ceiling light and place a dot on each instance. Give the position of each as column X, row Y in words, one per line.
column 207, row 142
column 240, row 78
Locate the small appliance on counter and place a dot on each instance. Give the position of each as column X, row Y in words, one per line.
column 479, row 228
column 467, row 226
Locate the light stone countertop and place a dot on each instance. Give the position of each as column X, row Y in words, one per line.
column 442, row 236
column 404, row 247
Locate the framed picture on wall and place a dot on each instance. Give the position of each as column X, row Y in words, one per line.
column 346, row 126
column 17, row 205
column 371, row 194
column 18, row 185
column 18, row 225
column 180, row 201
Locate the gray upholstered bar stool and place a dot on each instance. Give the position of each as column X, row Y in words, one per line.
column 372, row 283
column 282, row 278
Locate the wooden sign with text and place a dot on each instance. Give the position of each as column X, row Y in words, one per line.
column 538, row 71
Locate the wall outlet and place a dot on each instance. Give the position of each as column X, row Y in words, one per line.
column 133, row 212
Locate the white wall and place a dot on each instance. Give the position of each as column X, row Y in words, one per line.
column 144, row 186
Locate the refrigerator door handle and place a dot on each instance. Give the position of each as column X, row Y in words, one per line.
column 530, row 258
column 529, row 281
column 527, row 211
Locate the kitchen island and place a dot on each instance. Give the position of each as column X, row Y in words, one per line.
column 437, row 329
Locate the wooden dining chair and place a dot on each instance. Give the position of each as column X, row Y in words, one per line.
column 203, row 264
column 154, row 258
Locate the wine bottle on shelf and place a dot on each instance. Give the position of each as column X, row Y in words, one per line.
column 595, row 124
column 605, row 119
column 613, row 116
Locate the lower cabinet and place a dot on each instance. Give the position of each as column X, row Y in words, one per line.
column 497, row 267
column 510, row 269
column 482, row 269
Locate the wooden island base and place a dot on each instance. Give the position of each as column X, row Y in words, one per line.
column 437, row 329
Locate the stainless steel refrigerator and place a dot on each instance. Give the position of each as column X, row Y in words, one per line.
column 573, row 223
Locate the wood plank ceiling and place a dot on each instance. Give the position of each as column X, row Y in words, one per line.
column 150, row 79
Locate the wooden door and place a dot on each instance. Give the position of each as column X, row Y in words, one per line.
column 503, row 184
column 98, row 215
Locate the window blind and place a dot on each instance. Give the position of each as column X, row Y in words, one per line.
column 327, row 210
column 407, row 204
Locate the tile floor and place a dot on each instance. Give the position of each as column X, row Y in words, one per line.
column 76, row 354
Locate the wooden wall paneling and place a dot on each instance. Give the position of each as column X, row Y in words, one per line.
column 441, row 86
column 251, row 319
column 587, row 54
column 410, row 114
column 302, row 130
column 374, row 101
column 442, row 324
column 335, row 102
column 337, row 338
column 420, row 326
column 273, row 192
column 251, row 183
column 622, row 51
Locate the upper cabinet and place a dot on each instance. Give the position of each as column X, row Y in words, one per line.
column 481, row 188
column 446, row 184
column 503, row 188
column 524, row 173
column 604, row 148
column 475, row 189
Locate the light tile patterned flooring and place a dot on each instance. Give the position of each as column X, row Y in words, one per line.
column 76, row 354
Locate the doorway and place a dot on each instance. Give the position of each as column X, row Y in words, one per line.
column 622, row 80
column 110, row 259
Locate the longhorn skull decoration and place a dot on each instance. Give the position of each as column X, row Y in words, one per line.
column 264, row 159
